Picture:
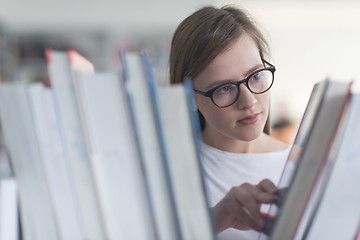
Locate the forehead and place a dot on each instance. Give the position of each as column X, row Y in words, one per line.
column 232, row 64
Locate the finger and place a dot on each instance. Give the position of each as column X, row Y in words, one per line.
column 245, row 195
column 244, row 220
column 230, row 213
column 259, row 194
column 267, row 186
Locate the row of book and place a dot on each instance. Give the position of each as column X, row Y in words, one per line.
column 104, row 155
column 118, row 156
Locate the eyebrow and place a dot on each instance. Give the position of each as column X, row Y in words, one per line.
column 221, row 82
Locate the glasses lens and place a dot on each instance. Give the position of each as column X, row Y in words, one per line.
column 261, row 81
column 225, row 95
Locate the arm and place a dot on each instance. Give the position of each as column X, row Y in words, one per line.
column 240, row 208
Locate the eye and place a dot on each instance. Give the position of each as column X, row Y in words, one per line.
column 257, row 76
column 225, row 89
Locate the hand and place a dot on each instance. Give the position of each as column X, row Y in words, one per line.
column 240, row 208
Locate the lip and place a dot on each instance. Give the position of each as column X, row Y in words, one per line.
column 250, row 119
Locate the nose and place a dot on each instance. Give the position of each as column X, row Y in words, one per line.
column 246, row 99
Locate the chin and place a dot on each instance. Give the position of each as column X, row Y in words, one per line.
column 252, row 133
column 250, row 136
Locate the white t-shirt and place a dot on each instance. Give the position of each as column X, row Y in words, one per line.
column 224, row 170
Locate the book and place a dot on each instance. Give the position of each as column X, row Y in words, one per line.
column 149, row 138
column 182, row 141
column 306, row 171
column 79, row 63
column 5, row 167
column 338, row 212
column 9, row 212
column 9, row 205
column 60, row 74
column 55, row 162
column 115, row 157
column 37, row 216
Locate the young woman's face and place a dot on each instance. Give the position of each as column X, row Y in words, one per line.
column 246, row 118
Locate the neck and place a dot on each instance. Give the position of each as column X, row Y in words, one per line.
column 229, row 144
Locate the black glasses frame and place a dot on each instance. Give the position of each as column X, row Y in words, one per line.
column 209, row 93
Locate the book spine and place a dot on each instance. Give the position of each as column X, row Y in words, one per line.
column 196, row 130
column 165, row 161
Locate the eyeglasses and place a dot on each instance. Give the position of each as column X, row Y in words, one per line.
column 227, row 94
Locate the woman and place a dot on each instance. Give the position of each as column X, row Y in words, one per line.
column 225, row 54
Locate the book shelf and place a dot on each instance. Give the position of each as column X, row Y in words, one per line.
column 104, row 155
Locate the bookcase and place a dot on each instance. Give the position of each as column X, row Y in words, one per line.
column 103, row 155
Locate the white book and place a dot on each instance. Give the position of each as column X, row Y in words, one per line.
column 114, row 154
column 56, row 163
column 37, row 215
column 60, row 77
column 149, row 138
column 9, row 213
column 182, row 141
column 338, row 213
column 5, row 167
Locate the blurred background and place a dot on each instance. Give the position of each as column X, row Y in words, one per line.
column 310, row 40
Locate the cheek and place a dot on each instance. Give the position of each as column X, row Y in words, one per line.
column 264, row 101
column 198, row 100
column 204, row 104
column 215, row 116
